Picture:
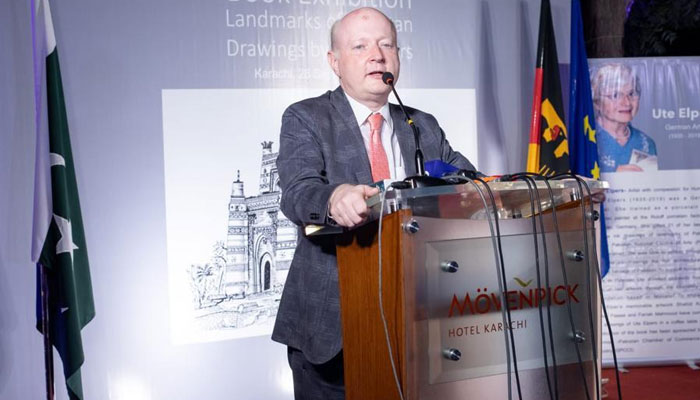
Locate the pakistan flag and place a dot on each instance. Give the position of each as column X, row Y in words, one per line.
column 58, row 239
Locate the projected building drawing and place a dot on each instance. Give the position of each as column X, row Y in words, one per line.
column 242, row 283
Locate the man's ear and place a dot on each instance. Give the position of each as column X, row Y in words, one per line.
column 333, row 62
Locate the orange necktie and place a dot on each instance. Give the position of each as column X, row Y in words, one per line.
column 377, row 156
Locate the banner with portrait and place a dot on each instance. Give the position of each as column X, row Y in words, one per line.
column 648, row 134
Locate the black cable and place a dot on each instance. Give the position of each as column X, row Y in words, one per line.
column 505, row 287
column 382, row 197
column 530, row 185
column 502, row 286
column 600, row 287
column 458, row 179
column 566, row 283
column 547, row 280
column 594, row 339
column 591, row 320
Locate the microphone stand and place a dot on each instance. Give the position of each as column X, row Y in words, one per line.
column 421, row 179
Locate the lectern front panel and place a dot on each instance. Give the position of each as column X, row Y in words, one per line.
column 460, row 331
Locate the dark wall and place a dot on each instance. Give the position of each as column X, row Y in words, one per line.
column 662, row 28
column 603, row 27
column 641, row 28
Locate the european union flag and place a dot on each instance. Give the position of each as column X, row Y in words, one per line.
column 583, row 151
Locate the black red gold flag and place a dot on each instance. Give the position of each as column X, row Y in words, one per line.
column 548, row 151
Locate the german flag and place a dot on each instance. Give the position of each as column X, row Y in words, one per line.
column 548, row 151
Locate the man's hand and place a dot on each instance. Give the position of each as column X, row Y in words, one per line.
column 348, row 205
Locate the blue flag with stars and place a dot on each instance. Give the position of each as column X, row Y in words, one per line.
column 583, row 150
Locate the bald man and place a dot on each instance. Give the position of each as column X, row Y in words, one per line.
column 331, row 148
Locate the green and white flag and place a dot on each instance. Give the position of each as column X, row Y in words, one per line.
column 58, row 239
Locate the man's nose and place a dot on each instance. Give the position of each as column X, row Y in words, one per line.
column 376, row 53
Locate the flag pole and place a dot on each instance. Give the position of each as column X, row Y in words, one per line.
column 45, row 328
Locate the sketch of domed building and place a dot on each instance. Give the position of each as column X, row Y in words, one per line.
column 261, row 240
column 242, row 284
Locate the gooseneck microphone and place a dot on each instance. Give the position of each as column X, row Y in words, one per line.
column 388, row 78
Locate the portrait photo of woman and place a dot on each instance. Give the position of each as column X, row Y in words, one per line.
column 621, row 146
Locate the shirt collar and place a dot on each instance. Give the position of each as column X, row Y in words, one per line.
column 362, row 112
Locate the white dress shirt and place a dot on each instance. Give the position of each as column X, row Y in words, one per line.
column 389, row 140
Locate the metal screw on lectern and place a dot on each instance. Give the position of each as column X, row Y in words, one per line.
column 578, row 336
column 593, row 217
column 575, row 195
column 449, row 266
column 452, row 354
column 575, row 255
column 411, row 226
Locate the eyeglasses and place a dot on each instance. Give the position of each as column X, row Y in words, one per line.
column 618, row 96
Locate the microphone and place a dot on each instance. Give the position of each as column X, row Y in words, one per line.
column 421, row 179
column 388, row 79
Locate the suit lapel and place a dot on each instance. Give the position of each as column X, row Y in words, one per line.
column 352, row 136
column 404, row 134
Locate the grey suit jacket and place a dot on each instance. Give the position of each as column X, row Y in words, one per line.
column 321, row 147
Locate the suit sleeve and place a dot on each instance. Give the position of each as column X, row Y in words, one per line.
column 437, row 142
column 301, row 168
column 453, row 157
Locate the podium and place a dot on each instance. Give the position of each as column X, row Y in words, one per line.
column 444, row 305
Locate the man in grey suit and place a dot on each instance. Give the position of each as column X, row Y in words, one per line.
column 331, row 149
